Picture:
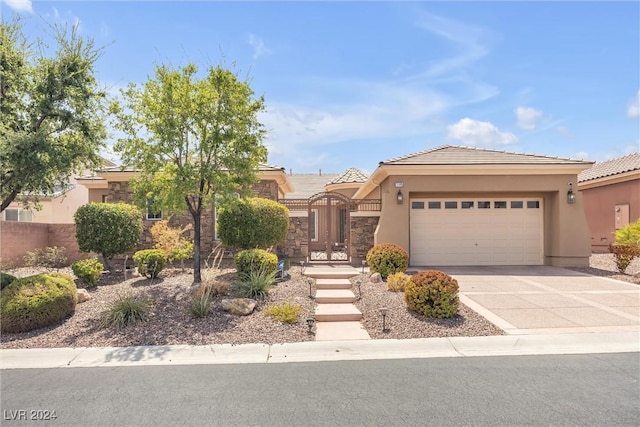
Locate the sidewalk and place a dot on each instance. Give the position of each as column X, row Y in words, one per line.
column 318, row 351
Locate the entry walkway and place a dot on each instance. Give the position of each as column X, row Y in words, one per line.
column 548, row 300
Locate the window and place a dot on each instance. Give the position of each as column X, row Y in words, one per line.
column 533, row 204
column 434, row 205
column 153, row 213
column 417, row 205
column 484, row 205
column 20, row 215
column 516, row 204
column 313, row 225
column 500, row 205
column 342, row 231
column 466, row 205
column 451, row 205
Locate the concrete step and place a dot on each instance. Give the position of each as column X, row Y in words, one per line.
column 333, row 284
column 331, row 272
column 334, row 331
column 337, row 313
column 334, row 296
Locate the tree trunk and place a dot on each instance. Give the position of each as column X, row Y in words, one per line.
column 197, row 277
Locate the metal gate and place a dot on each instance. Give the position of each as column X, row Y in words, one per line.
column 329, row 227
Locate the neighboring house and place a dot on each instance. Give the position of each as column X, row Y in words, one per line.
column 611, row 193
column 446, row 206
column 55, row 208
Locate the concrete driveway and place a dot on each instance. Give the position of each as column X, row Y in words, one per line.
column 542, row 299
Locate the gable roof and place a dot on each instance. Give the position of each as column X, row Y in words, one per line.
column 460, row 155
column 306, row 185
column 611, row 167
column 349, row 176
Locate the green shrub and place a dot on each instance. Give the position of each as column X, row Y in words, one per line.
column 49, row 258
column 255, row 259
column 397, row 282
column 200, row 304
column 88, row 271
column 6, row 280
column 256, row 283
column 285, row 313
column 37, row 301
column 253, row 222
column 108, row 228
column 150, row 262
column 433, row 294
column 126, row 310
column 626, row 246
column 387, row 258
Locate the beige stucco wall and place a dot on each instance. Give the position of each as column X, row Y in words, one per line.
column 59, row 210
column 566, row 233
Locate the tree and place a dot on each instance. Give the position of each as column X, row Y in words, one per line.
column 253, row 223
column 108, row 228
column 51, row 111
column 195, row 140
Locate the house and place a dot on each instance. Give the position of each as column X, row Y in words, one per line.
column 111, row 184
column 448, row 205
column 611, row 194
column 57, row 207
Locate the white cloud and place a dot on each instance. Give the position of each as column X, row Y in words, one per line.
column 479, row 134
column 582, row 155
column 259, row 49
column 528, row 118
column 19, row 5
column 634, row 108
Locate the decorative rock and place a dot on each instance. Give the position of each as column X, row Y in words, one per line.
column 83, row 295
column 238, row 306
column 376, row 278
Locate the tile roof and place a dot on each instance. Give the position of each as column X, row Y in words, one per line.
column 263, row 167
column 611, row 167
column 307, row 184
column 459, row 155
column 349, row 176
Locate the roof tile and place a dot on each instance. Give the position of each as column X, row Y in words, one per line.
column 611, row 167
column 349, row 176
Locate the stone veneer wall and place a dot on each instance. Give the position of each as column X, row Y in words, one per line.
column 296, row 246
column 362, row 236
column 266, row 189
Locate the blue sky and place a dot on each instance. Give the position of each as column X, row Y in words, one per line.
column 349, row 84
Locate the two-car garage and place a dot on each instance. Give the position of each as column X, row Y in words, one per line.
column 476, row 231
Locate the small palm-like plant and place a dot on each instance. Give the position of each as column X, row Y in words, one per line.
column 200, row 304
column 256, row 283
column 126, row 310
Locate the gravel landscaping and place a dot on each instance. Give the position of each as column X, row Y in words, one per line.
column 171, row 322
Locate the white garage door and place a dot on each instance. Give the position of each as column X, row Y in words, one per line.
column 472, row 231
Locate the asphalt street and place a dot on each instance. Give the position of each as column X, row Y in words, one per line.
column 585, row 390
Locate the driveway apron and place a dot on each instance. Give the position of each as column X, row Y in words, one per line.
column 546, row 300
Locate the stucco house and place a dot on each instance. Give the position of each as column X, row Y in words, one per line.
column 448, row 205
column 611, row 193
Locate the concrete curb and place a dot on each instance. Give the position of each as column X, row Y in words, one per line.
column 317, row 351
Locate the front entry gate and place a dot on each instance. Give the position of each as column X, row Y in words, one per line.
column 329, row 227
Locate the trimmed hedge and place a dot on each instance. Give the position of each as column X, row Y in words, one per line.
column 397, row 282
column 88, row 271
column 433, row 294
column 252, row 260
column 253, row 222
column 37, row 301
column 387, row 258
column 150, row 262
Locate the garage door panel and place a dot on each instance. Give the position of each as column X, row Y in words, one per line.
column 501, row 236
